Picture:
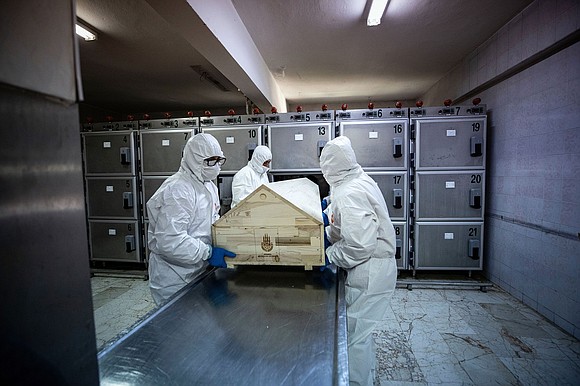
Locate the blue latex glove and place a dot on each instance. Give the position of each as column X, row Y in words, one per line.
column 325, row 219
column 326, row 263
column 326, row 242
column 324, row 203
column 326, row 245
column 217, row 257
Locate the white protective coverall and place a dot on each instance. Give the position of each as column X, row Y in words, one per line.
column 363, row 243
column 181, row 213
column 251, row 176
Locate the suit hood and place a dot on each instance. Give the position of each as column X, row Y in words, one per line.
column 338, row 161
column 198, row 148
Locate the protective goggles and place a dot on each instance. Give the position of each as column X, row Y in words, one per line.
column 213, row 161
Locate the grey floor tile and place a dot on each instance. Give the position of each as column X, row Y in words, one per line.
column 543, row 372
column 470, row 337
column 478, row 360
column 106, row 295
column 118, row 304
column 395, row 358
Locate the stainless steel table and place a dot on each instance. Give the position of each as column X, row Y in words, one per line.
column 243, row 326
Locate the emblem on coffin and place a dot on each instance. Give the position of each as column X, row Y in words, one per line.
column 267, row 243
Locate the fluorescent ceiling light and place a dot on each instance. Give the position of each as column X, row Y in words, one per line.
column 84, row 32
column 376, row 12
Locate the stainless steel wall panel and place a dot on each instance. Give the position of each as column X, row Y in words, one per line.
column 450, row 195
column 110, row 153
column 379, row 137
column 112, row 197
column 297, row 139
column 297, row 147
column 161, row 150
column 237, row 143
column 191, row 124
column 115, row 240
column 402, row 244
column 374, row 143
column 224, row 184
column 448, row 186
column 450, row 143
column 238, row 136
column 111, row 126
column 394, row 187
column 41, row 57
column 232, row 120
column 449, row 245
column 46, row 323
column 113, row 193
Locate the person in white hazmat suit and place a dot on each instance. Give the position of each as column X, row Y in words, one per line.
column 251, row 176
column 363, row 242
column 181, row 213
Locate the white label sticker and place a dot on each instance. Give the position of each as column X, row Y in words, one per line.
column 449, row 236
column 106, row 144
column 230, row 140
column 373, row 134
column 449, row 184
column 451, row 133
column 164, row 142
column 109, row 188
column 299, row 137
column 112, row 232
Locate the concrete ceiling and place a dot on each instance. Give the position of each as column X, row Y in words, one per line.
column 173, row 55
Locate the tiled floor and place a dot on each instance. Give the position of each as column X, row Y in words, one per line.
column 468, row 337
column 118, row 303
column 432, row 336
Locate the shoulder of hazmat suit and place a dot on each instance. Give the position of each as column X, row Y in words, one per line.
column 251, row 176
column 180, row 216
column 363, row 240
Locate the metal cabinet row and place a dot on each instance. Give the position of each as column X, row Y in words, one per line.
column 428, row 162
column 447, row 174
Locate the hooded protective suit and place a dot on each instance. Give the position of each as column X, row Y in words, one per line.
column 363, row 242
column 251, row 176
column 180, row 216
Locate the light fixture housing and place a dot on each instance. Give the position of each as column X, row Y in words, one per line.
column 85, row 31
column 376, row 12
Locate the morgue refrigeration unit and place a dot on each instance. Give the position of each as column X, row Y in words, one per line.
column 448, row 188
column 380, row 140
column 112, row 190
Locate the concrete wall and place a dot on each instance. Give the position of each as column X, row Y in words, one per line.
column 528, row 75
column 541, row 25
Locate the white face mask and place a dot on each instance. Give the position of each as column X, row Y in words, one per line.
column 210, row 173
column 264, row 169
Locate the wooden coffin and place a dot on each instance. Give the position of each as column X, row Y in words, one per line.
column 277, row 224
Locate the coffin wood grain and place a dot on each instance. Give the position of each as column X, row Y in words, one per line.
column 267, row 228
